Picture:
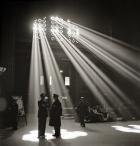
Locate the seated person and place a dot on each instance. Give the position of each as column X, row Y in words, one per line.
column 93, row 115
column 104, row 113
column 96, row 114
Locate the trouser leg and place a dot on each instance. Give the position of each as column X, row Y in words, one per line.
column 39, row 127
column 43, row 126
column 57, row 130
column 82, row 121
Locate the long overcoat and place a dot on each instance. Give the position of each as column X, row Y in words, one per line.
column 55, row 114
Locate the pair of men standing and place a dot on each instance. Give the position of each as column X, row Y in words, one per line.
column 55, row 115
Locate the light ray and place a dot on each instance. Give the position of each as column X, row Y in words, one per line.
column 52, row 71
column 35, row 72
column 98, row 79
column 80, row 69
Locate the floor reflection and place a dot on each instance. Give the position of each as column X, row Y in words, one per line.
column 65, row 134
column 129, row 128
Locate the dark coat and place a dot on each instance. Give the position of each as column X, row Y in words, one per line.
column 55, row 114
column 42, row 109
column 82, row 109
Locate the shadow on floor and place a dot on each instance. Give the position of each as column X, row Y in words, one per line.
column 53, row 142
column 5, row 133
column 86, row 129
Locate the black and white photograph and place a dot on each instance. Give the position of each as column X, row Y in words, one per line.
column 70, row 73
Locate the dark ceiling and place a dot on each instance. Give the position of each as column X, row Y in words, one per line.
column 119, row 18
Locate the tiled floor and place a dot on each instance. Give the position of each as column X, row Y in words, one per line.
column 95, row 134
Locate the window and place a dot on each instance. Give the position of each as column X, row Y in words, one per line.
column 41, row 80
column 67, row 81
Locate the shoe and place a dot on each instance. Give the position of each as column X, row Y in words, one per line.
column 41, row 136
column 57, row 136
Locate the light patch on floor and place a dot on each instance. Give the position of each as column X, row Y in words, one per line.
column 130, row 128
column 65, row 134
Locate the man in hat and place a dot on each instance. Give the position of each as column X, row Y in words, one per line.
column 55, row 115
column 42, row 115
column 82, row 110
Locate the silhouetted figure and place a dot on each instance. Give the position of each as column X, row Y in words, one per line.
column 97, row 114
column 104, row 114
column 55, row 115
column 94, row 115
column 82, row 109
column 14, row 114
column 42, row 115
